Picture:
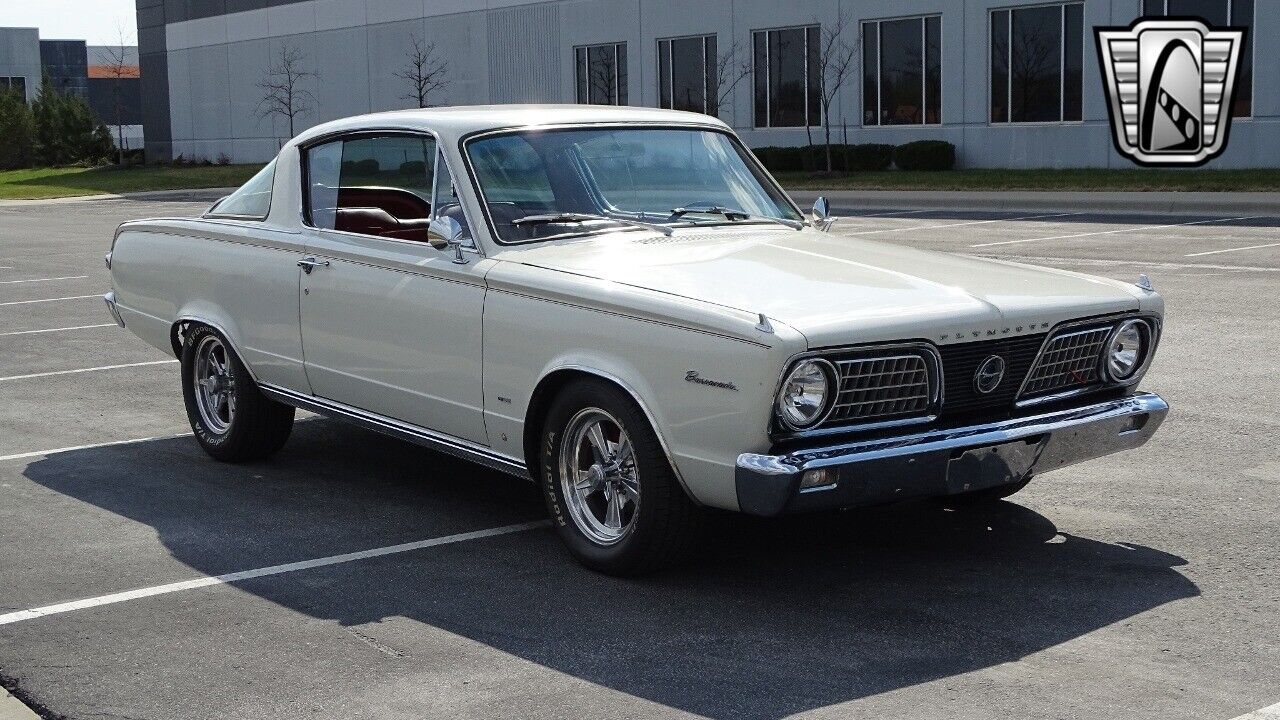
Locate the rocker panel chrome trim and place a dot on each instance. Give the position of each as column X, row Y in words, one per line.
column 440, row 442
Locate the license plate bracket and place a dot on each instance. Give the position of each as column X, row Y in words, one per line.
column 993, row 465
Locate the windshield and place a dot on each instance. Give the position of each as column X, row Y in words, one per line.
column 539, row 184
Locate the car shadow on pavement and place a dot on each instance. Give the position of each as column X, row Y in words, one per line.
column 773, row 618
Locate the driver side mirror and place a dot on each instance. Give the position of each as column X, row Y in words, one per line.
column 446, row 232
column 822, row 218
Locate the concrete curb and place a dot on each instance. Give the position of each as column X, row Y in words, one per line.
column 189, row 195
column 1160, row 203
column 11, row 708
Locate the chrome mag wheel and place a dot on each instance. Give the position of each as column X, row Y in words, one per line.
column 214, row 385
column 598, row 476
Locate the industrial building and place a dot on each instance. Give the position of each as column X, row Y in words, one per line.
column 1011, row 84
column 106, row 77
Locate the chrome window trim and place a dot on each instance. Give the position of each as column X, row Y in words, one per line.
column 304, row 214
column 1109, row 321
column 778, row 431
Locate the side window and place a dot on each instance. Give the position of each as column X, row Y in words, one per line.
column 373, row 185
column 252, row 200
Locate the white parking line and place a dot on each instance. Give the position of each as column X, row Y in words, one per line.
column 91, row 446
column 1270, row 712
column 31, row 302
column 52, row 330
column 1042, row 260
column 953, row 225
column 120, row 597
column 1112, row 232
column 891, row 214
column 86, row 370
column 1219, row 252
column 68, row 277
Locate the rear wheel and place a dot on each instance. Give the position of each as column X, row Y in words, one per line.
column 611, row 492
column 232, row 420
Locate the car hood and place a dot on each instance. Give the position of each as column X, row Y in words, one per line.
column 838, row 290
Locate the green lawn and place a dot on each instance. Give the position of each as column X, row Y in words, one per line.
column 1071, row 180
column 67, row 182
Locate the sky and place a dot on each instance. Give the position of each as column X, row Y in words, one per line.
column 95, row 21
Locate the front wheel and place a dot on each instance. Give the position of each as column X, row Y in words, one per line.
column 232, row 420
column 611, row 492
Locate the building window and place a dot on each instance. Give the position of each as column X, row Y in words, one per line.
column 1037, row 58
column 601, row 72
column 1219, row 13
column 16, row 85
column 786, row 77
column 687, row 74
column 902, row 71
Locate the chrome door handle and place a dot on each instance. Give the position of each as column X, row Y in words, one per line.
column 309, row 264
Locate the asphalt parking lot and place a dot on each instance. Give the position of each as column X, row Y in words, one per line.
column 1144, row 585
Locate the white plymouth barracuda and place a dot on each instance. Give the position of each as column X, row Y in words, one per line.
column 623, row 306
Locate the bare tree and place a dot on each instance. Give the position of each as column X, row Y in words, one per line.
column 729, row 71
column 283, row 93
column 424, row 72
column 835, row 67
column 119, row 68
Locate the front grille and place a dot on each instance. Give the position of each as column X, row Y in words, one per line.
column 881, row 388
column 1069, row 361
column 960, row 362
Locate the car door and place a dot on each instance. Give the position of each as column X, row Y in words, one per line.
column 389, row 324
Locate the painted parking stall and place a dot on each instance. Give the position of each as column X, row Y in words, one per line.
column 355, row 575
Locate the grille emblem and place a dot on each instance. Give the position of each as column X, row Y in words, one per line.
column 989, row 375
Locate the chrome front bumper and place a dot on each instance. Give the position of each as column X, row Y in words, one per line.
column 946, row 462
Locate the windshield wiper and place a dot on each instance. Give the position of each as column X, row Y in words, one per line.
column 733, row 215
column 573, row 217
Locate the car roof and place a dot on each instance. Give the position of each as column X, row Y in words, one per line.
column 457, row 121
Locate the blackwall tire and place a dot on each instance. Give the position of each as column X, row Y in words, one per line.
column 231, row 418
column 619, row 511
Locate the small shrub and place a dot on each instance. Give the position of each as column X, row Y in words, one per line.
column 791, row 159
column 871, row 156
column 925, row 155
column 180, row 160
column 224, row 159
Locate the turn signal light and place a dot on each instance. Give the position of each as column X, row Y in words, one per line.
column 821, row 479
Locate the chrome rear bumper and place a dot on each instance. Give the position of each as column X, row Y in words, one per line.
column 945, row 462
column 110, row 300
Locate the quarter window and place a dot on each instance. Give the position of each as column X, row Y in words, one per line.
column 786, row 77
column 687, row 74
column 1219, row 13
column 902, row 71
column 1037, row 59
column 601, row 72
column 373, row 185
column 252, row 201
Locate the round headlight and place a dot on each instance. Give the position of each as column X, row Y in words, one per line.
column 1126, row 349
column 802, row 401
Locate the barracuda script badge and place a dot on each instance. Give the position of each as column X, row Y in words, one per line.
column 1170, row 84
column 694, row 377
